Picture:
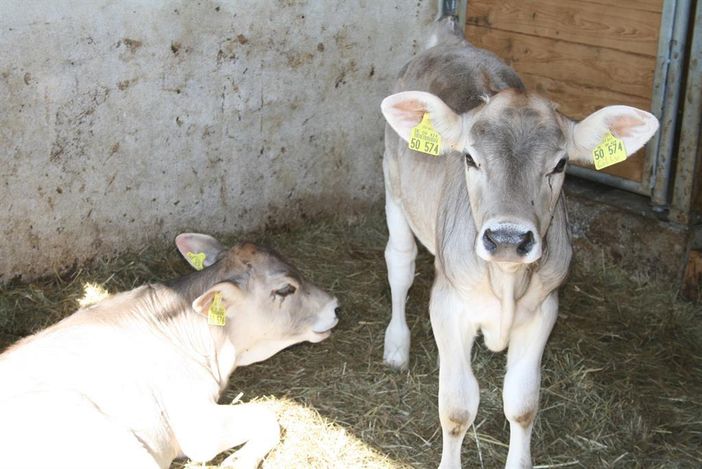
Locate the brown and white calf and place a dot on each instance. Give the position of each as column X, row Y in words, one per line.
column 491, row 211
column 133, row 380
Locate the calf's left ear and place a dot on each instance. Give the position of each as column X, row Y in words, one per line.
column 200, row 250
column 405, row 110
column 633, row 126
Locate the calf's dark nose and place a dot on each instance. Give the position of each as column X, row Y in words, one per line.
column 500, row 239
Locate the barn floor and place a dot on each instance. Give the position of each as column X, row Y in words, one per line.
column 622, row 374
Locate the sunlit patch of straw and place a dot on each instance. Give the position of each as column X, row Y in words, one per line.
column 92, row 293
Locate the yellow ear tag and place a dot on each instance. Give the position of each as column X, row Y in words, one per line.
column 610, row 151
column 216, row 315
column 424, row 139
column 197, row 259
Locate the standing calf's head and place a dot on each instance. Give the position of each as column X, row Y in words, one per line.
column 268, row 304
column 515, row 147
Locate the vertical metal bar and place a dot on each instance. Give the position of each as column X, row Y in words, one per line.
column 462, row 13
column 689, row 147
column 448, row 7
column 455, row 8
column 671, row 103
column 665, row 36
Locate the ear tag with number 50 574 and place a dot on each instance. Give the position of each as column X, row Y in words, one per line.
column 609, row 151
column 217, row 314
column 424, row 139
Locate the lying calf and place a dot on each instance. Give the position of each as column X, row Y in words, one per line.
column 133, row 381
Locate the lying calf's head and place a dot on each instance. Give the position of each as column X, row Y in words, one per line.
column 266, row 302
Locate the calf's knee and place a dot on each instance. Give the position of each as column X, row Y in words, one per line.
column 458, row 421
column 520, row 397
column 525, row 419
column 521, row 413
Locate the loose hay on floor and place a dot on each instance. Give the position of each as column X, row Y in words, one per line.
column 621, row 376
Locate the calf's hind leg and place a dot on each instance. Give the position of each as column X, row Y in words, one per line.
column 520, row 393
column 458, row 389
column 400, row 254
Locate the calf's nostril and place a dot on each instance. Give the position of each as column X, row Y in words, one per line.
column 489, row 241
column 527, row 242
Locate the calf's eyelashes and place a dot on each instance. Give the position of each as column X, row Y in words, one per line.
column 287, row 289
column 560, row 166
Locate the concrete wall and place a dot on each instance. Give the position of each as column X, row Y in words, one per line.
column 123, row 122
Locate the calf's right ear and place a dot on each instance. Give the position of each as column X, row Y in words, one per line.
column 222, row 296
column 200, row 250
column 405, row 110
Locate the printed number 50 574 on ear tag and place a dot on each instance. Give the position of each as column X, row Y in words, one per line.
column 424, row 139
column 217, row 314
column 610, row 151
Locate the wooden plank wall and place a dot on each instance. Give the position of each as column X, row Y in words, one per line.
column 582, row 54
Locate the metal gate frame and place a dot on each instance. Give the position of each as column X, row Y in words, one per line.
column 690, row 146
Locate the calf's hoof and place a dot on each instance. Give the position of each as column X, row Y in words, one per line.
column 397, row 344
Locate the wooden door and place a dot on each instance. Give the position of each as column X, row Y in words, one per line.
column 582, row 54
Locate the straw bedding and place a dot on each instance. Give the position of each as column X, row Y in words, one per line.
column 621, row 374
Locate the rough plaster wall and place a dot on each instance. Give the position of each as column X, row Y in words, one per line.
column 124, row 122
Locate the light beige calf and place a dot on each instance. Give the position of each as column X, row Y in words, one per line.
column 133, row 381
column 490, row 208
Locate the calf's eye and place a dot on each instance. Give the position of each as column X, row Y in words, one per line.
column 560, row 166
column 285, row 291
column 470, row 161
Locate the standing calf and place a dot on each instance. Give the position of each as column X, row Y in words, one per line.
column 133, row 381
column 491, row 211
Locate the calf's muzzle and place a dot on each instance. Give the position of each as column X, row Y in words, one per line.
column 497, row 240
column 508, row 242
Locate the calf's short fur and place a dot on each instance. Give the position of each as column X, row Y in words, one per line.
column 491, row 210
column 133, row 381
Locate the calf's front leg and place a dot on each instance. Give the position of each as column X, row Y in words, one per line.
column 458, row 389
column 400, row 254
column 211, row 429
column 520, row 393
